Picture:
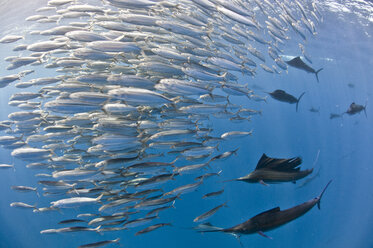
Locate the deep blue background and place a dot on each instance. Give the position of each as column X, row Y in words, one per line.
column 343, row 47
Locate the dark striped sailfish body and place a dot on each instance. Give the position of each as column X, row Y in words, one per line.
column 271, row 176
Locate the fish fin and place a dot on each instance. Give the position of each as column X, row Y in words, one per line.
column 173, row 162
column 317, row 72
column 98, row 199
column 217, row 147
column 263, row 161
column 319, row 198
column 296, row 107
column 238, row 237
column 178, row 196
column 263, row 183
column 273, row 210
column 264, row 235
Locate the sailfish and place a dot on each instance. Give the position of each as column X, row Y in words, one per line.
column 276, row 170
column 297, row 62
column 269, row 220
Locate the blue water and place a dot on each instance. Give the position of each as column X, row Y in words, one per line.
column 343, row 47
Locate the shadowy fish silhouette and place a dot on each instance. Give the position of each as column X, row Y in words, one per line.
column 282, row 96
column 356, row 108
column 297, row 62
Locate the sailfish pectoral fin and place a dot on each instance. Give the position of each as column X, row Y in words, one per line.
column 238, row 237
column 264, row 235
column 263, row 183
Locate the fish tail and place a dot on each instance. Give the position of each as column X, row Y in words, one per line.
column 173, row 162
column 228, row 102
column 98, row 199
column 178, row 196
column 235, row 151
column 365, row 106
column 296, row 107
column 317, row 72
column 319, row 198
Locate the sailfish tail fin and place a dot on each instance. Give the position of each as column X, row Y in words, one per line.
column 320, row 196
column 365, row 106
column 317, row 74
column 296, row 107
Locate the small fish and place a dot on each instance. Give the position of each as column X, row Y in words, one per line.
column 152, row 228
column 75, row 202
column 314, row 110
column 184, row 189
column 71, row 229
column 216, row 193
column 224, row 155
column 139, row 221
column 24, row 189
column 235, row 134
column 190, row 168
column 266, row 68
column 10, row 38
column 209, row 213
column 207, row 175
column 6, row 166
column 100, row 243
column 333, row 116
column 258, row 98
column 69, row 221
column 86, row 215
column 22, row 205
